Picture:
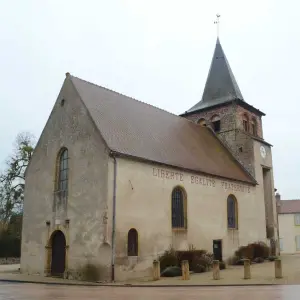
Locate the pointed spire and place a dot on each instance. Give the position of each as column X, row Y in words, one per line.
column 221, row 85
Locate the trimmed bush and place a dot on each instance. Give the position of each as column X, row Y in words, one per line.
column 199, row 260
column 260, row 249
column 222, row 265
column 199, row 264
column 258, row 260
column 272, row 258
column 253, row 251
column 190, row 255
column 10, row 246
column 171, row 272
column 168, row 259
column 245, row 252
column 202, row 263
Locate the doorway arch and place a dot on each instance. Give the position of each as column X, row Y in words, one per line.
column 58, row 255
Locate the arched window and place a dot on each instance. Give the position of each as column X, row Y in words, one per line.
column 178, row 208
column 202, row 122
column 232, row 212
column 246, row 122
column 216, row 123
column 253, row 126
column 132, row 240
column 63, row 170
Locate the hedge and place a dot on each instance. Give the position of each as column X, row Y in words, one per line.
column 10, row 246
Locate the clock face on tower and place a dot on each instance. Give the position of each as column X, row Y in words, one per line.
column 263, row 152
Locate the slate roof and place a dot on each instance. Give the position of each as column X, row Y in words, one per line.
column 136, row 129
column 221, row 86
column 289, row 206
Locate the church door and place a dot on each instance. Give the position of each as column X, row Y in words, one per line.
column 217, row 250
column 58, row 254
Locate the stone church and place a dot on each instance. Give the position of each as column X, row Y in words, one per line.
column 115, row 182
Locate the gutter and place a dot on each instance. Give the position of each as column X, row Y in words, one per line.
column 113, row 236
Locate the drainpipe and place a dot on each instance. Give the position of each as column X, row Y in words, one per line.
column 113, row 236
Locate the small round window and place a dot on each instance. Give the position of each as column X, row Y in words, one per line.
column 62, row 102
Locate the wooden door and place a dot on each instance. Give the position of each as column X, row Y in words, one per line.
column 58, row 261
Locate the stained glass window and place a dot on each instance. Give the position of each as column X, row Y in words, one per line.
column 231, row 212
column 178, row 208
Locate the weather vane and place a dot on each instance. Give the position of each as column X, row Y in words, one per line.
column 218, row 23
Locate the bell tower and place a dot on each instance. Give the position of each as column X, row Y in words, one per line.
column 239, row 126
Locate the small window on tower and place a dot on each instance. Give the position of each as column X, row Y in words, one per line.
column 245, row 122
column 253, row 127
column 216, row 123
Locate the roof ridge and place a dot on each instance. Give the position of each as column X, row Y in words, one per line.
column 112, row 91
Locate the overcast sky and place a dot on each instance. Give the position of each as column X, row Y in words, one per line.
column 158, row 52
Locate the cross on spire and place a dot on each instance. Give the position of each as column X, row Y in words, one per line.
column 217, row 21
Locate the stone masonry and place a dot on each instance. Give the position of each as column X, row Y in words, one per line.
column 232, row 132
column 241, row 143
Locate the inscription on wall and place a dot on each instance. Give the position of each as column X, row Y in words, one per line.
column 203, row 180
column 235, row 187
column 167, row 174
column 200, row 180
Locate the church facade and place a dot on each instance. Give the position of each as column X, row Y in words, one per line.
column 115, row 182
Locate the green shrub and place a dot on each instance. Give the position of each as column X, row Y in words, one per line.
column 168, row 259
column 272, row 258
column 253, row 250
column 245, row 252
column 260, row 249
column 199, row 265
column 199, row 260
column 240, row 262
column 222, row 265
column 171, row 272
column 202, row 263
column 189, row 255
column 258, row 260
column 10, row 246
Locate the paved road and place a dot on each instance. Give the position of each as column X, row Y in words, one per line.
column 24, row 291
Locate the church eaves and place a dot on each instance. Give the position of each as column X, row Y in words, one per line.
column 221, row 86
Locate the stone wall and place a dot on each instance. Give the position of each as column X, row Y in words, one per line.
column 246, row 149
column 226, row 114
column 84, row 221
column 239, row 117
column 9, row 261
column 144, row 203
column 231, row 133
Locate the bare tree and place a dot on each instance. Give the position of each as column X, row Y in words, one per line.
column 12, row 180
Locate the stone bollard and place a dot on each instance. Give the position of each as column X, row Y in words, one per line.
column 278, row 268
column 156, row 270
column 216, row 270
column 185, row 270
column 247, row 273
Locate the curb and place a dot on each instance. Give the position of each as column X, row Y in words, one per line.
column 48, row 283
column 139, row 285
